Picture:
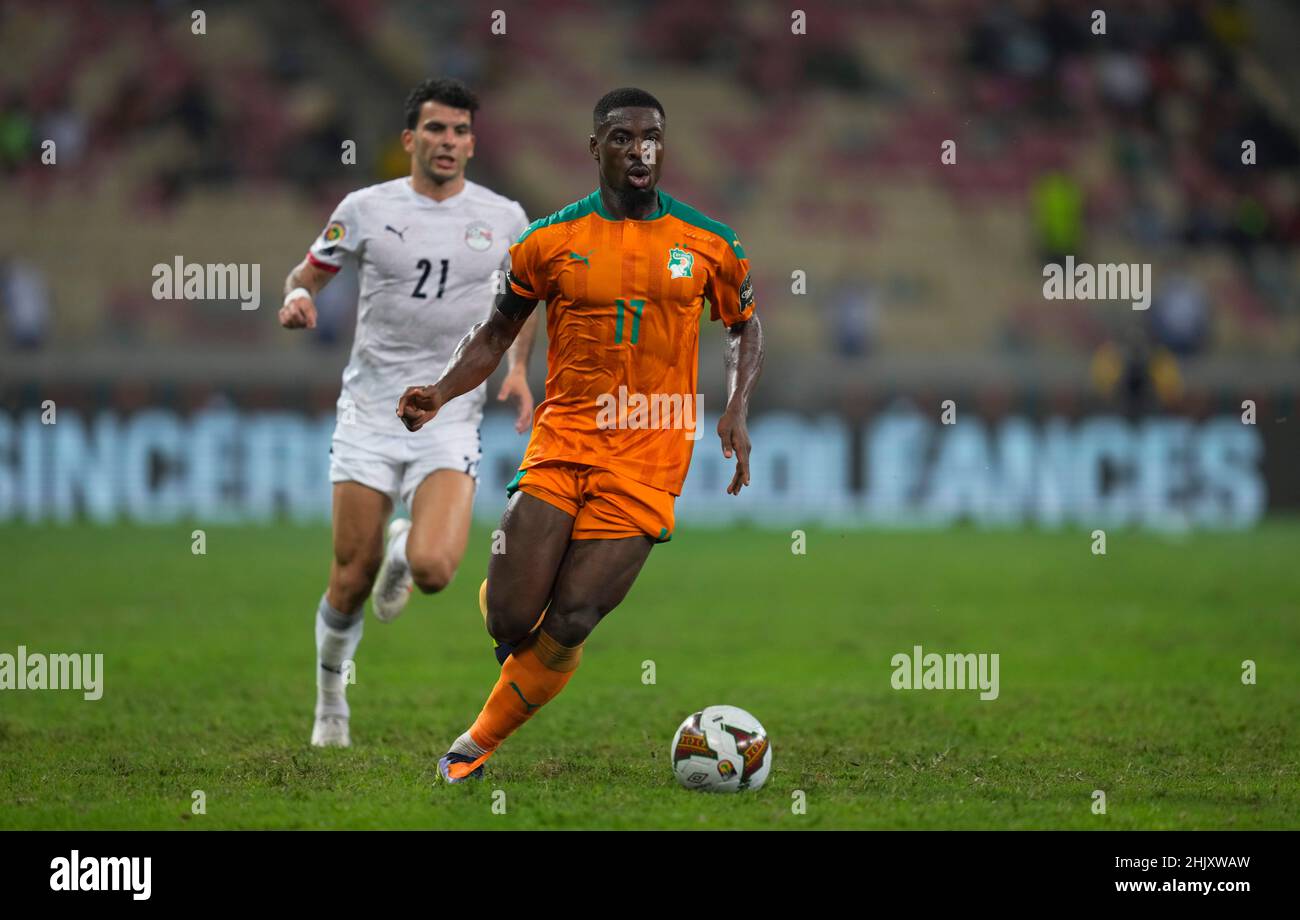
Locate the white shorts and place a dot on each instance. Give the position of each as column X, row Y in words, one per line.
column 396, row 464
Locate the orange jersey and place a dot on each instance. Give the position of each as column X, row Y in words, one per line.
column 623, row 303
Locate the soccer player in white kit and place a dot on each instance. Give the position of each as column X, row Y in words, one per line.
column 426, row 248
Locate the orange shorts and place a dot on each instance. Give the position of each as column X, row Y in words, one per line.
column 604, row 505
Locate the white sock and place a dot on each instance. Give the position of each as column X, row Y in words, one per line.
column 465, row 745
column 337, row 638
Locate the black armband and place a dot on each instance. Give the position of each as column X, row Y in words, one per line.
column 513, row 305
column 746, row 294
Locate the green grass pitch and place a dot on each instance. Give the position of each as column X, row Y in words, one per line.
column 1119, row 672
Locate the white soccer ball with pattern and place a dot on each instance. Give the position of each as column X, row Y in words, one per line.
column 721, row 749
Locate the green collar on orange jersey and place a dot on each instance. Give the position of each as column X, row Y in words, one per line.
column 667, row 204
column 664, row 199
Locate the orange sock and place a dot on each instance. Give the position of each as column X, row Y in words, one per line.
column 531, row 677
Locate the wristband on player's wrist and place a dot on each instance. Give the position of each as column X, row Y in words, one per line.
column 296, row 292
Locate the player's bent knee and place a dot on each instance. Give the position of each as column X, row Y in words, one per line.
column 509, row 625
column 347, row 594
column 432, row 572
column 353, row 579
column 571, row 626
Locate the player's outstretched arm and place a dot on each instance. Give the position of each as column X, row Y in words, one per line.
column 515, row 386
column 743, row 360
column 302, row 284
column 474, row 360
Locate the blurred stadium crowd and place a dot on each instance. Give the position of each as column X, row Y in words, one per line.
column 823, row 150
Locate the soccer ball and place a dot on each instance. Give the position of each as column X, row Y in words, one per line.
column 721, row 749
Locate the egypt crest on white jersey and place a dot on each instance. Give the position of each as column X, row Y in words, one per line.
column 426, row 277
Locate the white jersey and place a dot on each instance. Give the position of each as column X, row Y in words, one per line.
column 426, row 269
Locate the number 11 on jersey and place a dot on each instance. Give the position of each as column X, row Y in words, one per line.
column 636, row 307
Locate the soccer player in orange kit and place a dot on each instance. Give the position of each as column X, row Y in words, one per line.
column 625, row 273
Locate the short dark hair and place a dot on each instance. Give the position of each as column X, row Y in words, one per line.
column 447, row 90
column 623, row 98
